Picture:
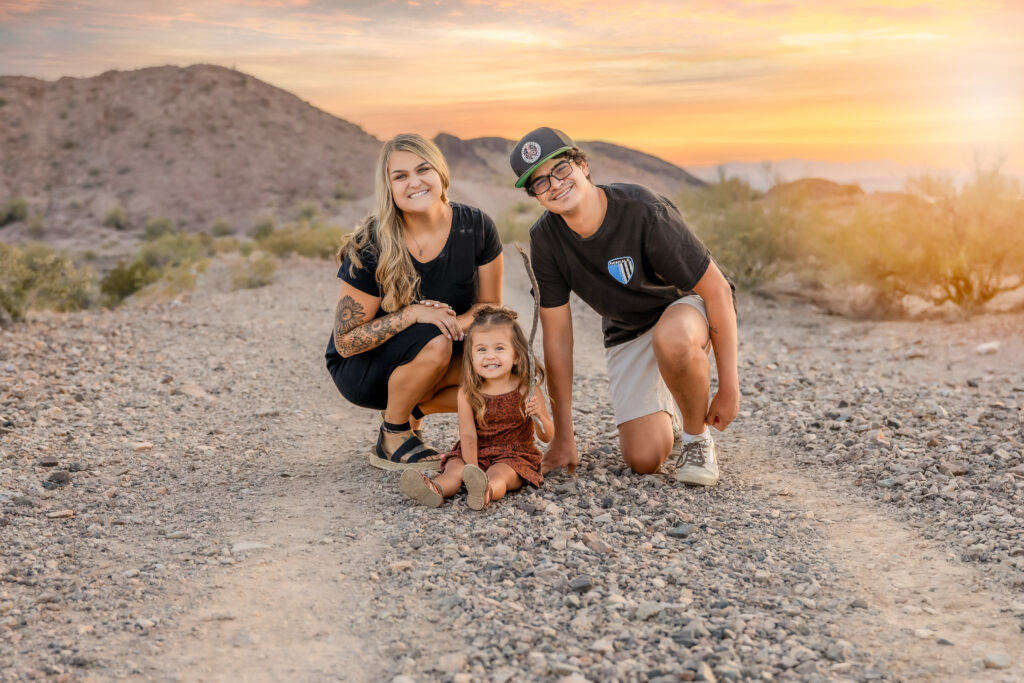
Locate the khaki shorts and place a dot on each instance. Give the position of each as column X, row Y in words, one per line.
column 636, row 384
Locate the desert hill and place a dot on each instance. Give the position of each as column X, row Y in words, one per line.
column 206, row 143
column 194, row 144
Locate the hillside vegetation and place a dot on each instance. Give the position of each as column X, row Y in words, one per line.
column 933, row 244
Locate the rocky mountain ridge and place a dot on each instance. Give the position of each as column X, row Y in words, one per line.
column 205, row 143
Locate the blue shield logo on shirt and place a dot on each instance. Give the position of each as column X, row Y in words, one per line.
column 621, row 268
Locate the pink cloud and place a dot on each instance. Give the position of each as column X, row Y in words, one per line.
column 11, row 7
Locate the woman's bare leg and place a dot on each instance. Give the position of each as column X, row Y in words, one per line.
column 410, row 382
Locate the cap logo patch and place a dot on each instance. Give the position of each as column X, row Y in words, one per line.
column 530, row 152
column 621, row 268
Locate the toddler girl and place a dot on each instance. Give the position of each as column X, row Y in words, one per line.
column 495, row 452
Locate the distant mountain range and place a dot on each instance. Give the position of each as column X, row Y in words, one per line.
column 871, row 176
column 204, row 144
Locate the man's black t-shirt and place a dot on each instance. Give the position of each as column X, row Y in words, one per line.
column 451, row 277
column 641, row 259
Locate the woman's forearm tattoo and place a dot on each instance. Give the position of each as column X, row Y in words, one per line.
column 352, row 336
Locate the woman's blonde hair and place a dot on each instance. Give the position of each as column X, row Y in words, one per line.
column 382, row 230
column 488, row 317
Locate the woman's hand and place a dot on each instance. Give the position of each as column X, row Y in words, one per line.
column 439, row 314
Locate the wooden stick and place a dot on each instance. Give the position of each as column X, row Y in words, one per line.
column 533, row 327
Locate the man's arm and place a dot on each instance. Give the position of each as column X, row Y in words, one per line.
column 717, row 295
column 556, row 324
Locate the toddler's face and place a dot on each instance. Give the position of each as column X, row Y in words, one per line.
column 493, row 353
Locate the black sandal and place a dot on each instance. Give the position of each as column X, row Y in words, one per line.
column 413, row 454
column 417, row 414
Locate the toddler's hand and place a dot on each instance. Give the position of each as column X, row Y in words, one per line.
column 533, row 407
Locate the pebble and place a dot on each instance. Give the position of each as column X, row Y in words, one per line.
column 997, row 660
column 648, row 610
column 60, row 514
column 247, row 546
column 581, row 584
column 59, row 477
column 451, row 662
column 681, row 531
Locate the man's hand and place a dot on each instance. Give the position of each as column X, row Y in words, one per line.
column 562, row 453
column 724, row 408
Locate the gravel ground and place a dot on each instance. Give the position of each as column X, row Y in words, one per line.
column 184, row 496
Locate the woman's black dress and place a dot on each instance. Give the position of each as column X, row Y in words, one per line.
column 451, row 278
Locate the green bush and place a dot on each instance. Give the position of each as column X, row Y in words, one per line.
column 254, row 272
column 156, row 227
column 316, row 240
column 36, row 226
column 943, row 244
column 13, row 210
column 176, row 249
column 172, row 258
column 308, row 211
column 515, row 222
column 15, row 279
column 262, row 228
column 116, row 218
column 220, row 228
column 37, row 277
column 343, row 191
column 125, row 279
column 752, row 241
column 225, row 245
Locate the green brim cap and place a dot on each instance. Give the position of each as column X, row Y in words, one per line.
column 534, row 149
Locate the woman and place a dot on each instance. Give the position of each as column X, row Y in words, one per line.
column 411, row 276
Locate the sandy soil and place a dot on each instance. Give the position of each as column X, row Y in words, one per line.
column 221, row 523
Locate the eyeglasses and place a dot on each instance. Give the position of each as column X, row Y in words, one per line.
column 542, row 184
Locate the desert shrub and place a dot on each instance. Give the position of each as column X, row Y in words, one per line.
column 171, row 259
column 14, row 277
column 940, row 243
column 343, row 191
column 116, row 218
column 36, row 226
column 220, row 228
column 262, row 228
column 13, row 210
column 37, row 277
column 514, row 223
column 308, row 211
column 752, row 241
column 176, row 249
column 254, row 272
column 316, row 240
column 125, row 279
column 156, row 227
column 246, row 248
column 225, row 245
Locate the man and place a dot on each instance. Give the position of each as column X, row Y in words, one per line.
column 664, row 304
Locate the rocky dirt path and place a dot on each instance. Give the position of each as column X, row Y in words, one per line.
column 211, row 516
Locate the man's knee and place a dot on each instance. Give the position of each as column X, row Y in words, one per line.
column 644, row 458
column 675, row 340
column 646, row 442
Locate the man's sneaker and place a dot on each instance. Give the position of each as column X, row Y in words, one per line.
column 697, row 463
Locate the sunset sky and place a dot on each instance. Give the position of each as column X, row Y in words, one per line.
column 694, row 82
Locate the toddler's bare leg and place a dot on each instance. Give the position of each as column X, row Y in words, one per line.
column 501, row 479
column 450, row 481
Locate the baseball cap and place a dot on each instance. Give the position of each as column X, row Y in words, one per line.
column 534, row 149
